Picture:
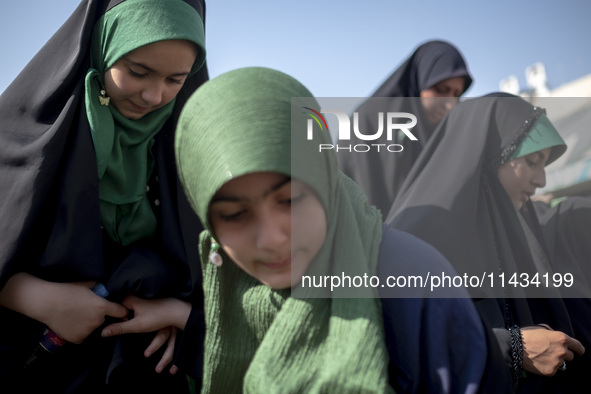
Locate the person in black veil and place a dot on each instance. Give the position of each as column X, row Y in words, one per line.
column 480, row 167
column 565, row 227
column 91, row 194
column 426, row 85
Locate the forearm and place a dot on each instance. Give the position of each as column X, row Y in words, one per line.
column 26, row 294
column 72, row 310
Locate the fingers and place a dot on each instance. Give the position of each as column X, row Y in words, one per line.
column 569, row 342
column 568, row 356
column 570, row 345
column 575, row 346
column 159, row 339
column 130, row 301
column 165, row 334
column 168, row 353
column 116, row 310
column 112, row 330
column 126, row 327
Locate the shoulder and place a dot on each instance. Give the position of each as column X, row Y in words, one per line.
column 404, row 253
column 434, row 336
column 409, row 267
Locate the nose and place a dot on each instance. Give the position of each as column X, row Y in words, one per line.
column 539, row 179
column 273, row 229
column 450, row 102
column 153, row 93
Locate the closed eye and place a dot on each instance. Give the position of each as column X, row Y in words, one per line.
column 136, row 74
column 441, row 90
column 296, row 199
column 177, row 81
column 233, row 216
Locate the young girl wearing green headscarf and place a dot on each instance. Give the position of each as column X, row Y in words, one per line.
column 275, row 210
column 95, row 188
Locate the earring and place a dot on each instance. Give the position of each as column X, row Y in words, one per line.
column 214, row 257
column 103, row 98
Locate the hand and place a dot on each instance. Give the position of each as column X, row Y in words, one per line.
column 545, row 350
column 162, row 315
column 71, row 310
column 77, row 311
column 151, row 315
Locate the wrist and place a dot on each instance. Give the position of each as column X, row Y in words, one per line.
column 181, row 315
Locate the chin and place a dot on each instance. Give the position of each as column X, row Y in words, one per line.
column 434, row 121
column 134, row 116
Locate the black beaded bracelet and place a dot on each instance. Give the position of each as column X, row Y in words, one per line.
column 516, row 355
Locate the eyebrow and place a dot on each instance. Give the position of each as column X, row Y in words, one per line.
column 181, row 74
column 277, row 186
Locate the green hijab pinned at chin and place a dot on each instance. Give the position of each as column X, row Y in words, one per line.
column 123, row 145
column 259, row 339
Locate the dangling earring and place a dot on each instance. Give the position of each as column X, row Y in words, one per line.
column 214, row 257
column 103, row 98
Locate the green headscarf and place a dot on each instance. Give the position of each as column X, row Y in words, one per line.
column 123, row 145
column 542, row 135
column 259, row 339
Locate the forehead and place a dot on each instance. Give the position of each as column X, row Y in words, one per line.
column 252, row 184
column 165, row 55
column 454, row 83
column 541, row 154
column 165, row 46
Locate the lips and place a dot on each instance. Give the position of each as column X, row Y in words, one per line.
column 439, row 115
column 138, row 108
column 278, row 264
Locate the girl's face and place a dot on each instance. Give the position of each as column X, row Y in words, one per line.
column 149, row 77
column 251, row 217
column 521, row 177
column 440, row 98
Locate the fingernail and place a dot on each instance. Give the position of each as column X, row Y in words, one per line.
column 173, row 370
column 106, row 333
column 147, row 353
